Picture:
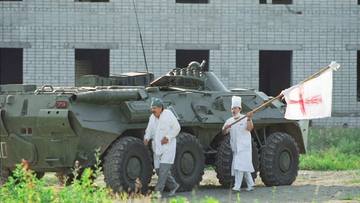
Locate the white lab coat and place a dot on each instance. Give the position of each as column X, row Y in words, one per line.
column 158, row 128
column 241, row 146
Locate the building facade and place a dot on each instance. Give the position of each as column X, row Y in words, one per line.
column 267, row 45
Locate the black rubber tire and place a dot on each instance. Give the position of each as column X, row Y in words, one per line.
column 279, row 163
column 4, row 174
column 189, row 164
column 39, row 175
column 223, row 163
column 127, row 166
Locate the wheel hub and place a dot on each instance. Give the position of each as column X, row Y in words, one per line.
column 133, row 168
column 285, row 161
column 187, row 163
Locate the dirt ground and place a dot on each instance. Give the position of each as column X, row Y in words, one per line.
column 310, row 186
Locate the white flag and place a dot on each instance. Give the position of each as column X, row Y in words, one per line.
column 311, row 99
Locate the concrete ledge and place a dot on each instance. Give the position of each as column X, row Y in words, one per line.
column 89, row 45
column 352, row 47
column 15, row 45
column 275, row 47
column 189, row 46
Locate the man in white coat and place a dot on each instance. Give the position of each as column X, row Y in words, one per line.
column 163, row 127
column 241, row 146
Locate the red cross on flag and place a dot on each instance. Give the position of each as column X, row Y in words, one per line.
column 311, row 99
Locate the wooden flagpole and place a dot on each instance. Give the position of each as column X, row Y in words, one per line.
column 279, row 96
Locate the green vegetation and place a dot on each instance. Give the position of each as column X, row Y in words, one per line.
column 50, row 181
column 349, row 197
column 274, row 193
column 23, row 186
column 210, row 167
column 332, row 149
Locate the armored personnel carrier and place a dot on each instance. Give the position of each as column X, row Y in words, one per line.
column 51, row 128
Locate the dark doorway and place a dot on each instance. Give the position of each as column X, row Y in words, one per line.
column 358, row 75
column 276, row 1
column 92, row 62
column 11, row 65
column 275, row 67
column 92, row 1
column 184, row 57
column 192, row 1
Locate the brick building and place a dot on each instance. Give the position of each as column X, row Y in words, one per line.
column 267, row 45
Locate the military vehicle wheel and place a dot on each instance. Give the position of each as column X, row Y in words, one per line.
column 189, row 164
column 279, row 162
column 39, row 175
column 127, row 160
column 4, row 174
column 224, row 160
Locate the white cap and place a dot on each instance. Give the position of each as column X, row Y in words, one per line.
column 236, row 101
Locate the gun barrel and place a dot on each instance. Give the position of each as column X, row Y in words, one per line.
column 106, row 96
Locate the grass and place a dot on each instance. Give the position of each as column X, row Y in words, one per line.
column 349, row 197
column 50, row 181
column 353, row 181
column 332, row 149
column 274, row 193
